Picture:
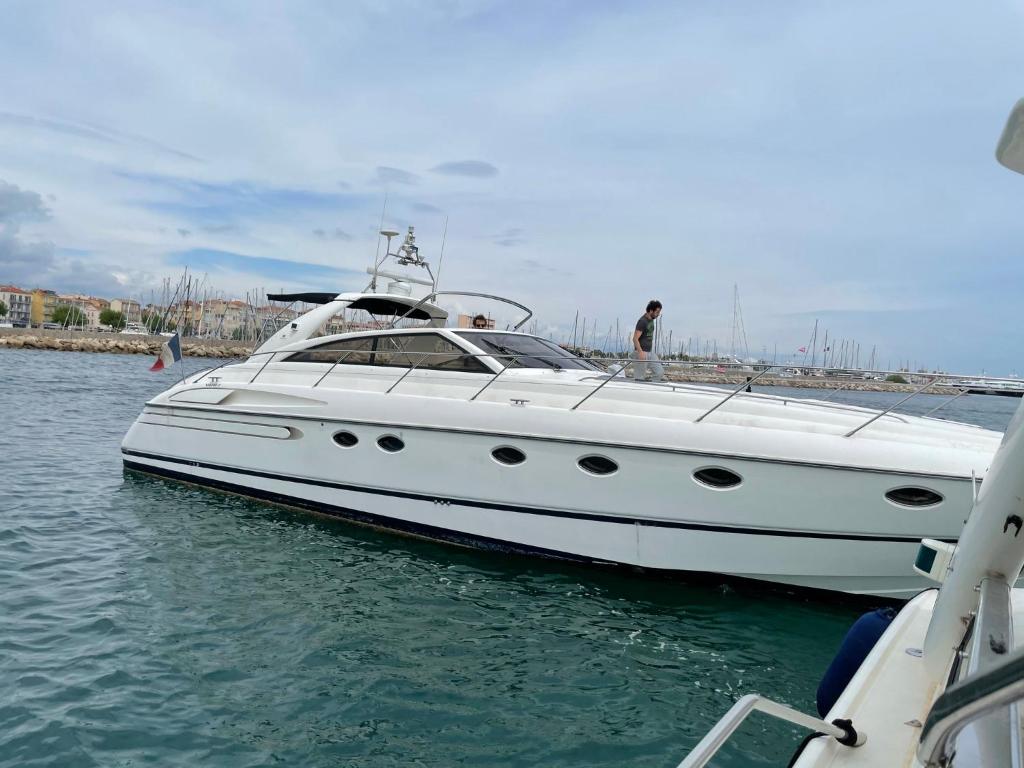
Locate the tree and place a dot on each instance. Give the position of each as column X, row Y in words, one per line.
column 895, row 378
column 3, row 309
column 112, row 318
column 69, row 317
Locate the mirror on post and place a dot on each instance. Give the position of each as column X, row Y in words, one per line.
column 1010, row 151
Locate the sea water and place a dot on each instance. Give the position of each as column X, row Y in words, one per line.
column 146, row 622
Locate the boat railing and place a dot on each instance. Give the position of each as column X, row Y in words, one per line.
column 841, row 730
column 430, row 297
column 613, row 369
column 968, row 701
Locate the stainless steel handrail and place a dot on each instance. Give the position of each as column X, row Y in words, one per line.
column 598, row 388
column 411, row 369
column 626, row 362
column 730, row 396
column 877, row 416
column 967, row 701
column 940, row 406
column 714, row 740
column 334, row 365
column 431, row 296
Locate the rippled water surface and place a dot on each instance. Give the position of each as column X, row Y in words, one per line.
column 148, row 622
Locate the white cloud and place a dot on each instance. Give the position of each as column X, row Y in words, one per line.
column 823, row 157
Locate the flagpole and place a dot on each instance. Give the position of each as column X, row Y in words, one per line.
column 181, row 362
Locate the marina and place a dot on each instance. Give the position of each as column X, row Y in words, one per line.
column 147, row 618
column 519, row 385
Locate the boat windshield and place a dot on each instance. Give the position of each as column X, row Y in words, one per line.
column 529, row 351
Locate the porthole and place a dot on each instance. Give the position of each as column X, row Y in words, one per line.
column 909, row 496
column 598, row 465
column 390, row 443
column 345, row 439
column 719, row 478
column 506, row 454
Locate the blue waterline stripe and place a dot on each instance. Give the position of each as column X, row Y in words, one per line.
column 389, row 522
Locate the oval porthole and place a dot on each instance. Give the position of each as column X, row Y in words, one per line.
column 598, row 465
column 390, row 443
column 910, row 496
column 345, row 439
column 717, row 477
column 506, row 454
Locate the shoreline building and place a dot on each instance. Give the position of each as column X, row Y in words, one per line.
column 19, row 304
column 43, row 304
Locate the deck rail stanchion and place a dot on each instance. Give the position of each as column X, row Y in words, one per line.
column 599, row 386
column 269, row 359
column 877, row 416
column 207, row 371
column 731, row 395
column 334, row 365
column 411, row 369
column 942, row 405
column 493, row 378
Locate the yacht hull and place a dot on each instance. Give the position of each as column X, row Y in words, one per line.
column 807, row 526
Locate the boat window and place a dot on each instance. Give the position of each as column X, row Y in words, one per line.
column 349, row 351
column 345, row 439
column 424, row 350
column 717, row 477
column 506, row 454
column 390, row 443
column 598, row 465
column 913, row 497
column 520, row 351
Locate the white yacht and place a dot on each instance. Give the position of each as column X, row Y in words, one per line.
column 940, row 686
column 504, row 440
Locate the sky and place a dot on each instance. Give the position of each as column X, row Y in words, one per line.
column 833, row 161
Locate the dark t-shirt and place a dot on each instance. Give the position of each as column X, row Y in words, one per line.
column 646, row 328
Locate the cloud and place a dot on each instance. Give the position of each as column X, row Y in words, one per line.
column 210, row 260
column 184, row 232
column 425, row 208
column 332, row 234
column 20, row 205
column 477, row 169
column 91, row 132
column 510, row 238
column 388, row 175
column 31, row 264
column 210, row 203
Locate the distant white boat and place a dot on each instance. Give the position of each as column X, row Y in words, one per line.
column 1007, row 388
column 135, row 329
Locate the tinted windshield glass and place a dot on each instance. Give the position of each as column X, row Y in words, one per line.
column 531, row 352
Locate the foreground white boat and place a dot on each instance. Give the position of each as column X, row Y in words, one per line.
column 942, row 686
column 503, row 440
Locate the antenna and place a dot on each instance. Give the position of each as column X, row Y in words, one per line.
column 440, row 258
column 388, row 233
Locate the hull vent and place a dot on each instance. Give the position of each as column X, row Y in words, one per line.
column 390, row 443
column 345, row 439
column 506, row 454
column 598, row 465
column 717, row 477
column 910, row 496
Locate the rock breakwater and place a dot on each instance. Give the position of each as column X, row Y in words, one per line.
column 119, row 344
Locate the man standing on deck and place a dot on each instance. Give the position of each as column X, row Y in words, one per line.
column 643, row 344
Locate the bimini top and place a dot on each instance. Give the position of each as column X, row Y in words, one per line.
column 375, row 304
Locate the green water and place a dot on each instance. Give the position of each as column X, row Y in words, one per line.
column 147, row 622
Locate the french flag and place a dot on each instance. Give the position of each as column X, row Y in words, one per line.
column 170, row 353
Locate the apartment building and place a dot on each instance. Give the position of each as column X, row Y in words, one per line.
column 19, row 304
